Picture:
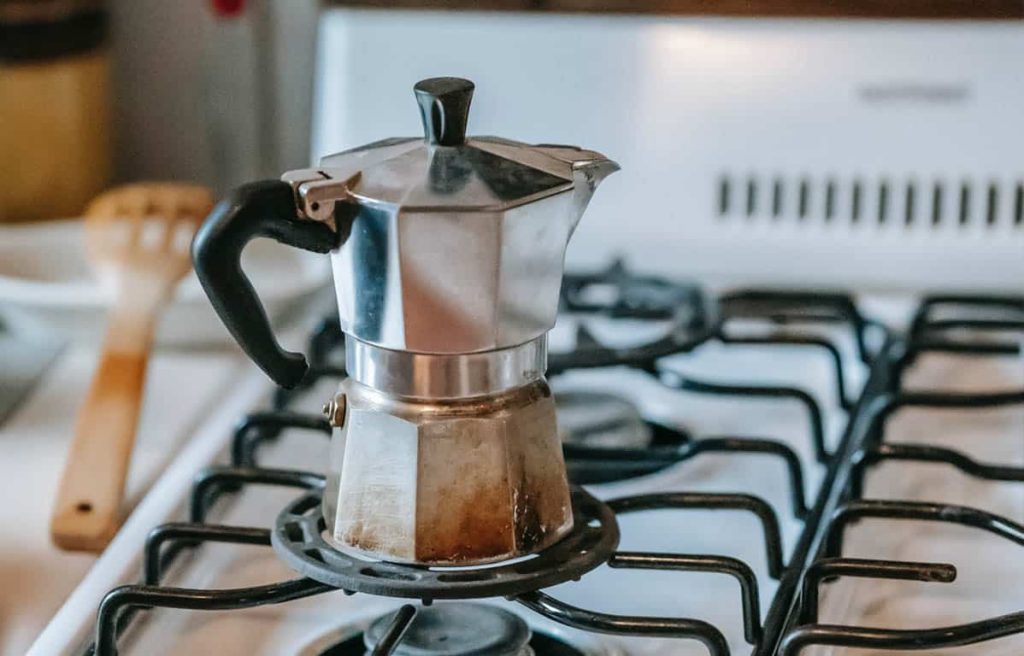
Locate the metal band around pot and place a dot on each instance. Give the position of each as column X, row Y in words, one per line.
column 445, row 376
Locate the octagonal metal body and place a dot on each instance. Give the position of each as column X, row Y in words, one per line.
column 462, row 482
column 453, row 249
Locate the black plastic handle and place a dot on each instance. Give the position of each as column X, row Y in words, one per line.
column 259, row 209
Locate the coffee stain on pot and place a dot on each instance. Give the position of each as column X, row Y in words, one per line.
column 481, row 482
column 507, row 497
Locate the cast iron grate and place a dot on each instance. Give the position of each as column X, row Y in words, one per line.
column 975, row 326
column 790, row 623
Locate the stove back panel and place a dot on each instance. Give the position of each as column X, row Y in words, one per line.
column 873, row 154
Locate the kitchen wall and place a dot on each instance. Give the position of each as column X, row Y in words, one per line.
column 187, row 88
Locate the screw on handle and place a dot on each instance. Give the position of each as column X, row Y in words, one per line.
column 444, row 107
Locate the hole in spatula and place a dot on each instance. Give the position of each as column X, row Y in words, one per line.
column 84, row 507
column 152, row 233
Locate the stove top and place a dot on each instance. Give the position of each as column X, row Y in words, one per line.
column 861, row 486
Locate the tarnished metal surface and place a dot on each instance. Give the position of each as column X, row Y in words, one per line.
column 460, row 481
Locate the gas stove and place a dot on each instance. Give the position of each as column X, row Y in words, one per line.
column 860, row 484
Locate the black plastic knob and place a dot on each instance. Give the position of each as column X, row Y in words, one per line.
column 444, row 108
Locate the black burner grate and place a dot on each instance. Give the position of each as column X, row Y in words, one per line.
column 931, row 331
column 790, row 624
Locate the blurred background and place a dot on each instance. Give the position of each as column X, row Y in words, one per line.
column 869, row 146
column 857, row 123
column 217, row 93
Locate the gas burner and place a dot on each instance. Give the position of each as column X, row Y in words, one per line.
column 600, row 420
column 605, row 438
column 456, row 629
column 677, row 311
column 298, row 538
column 620, row 294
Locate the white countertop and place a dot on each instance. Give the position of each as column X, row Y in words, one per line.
column 37, row 578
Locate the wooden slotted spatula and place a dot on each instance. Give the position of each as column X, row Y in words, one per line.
column 137, row 237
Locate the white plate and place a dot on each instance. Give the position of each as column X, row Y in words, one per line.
column 48, row 287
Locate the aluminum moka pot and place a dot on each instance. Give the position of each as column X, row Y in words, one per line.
column 447, row 254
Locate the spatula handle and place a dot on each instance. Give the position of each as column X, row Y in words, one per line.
column 88, row 511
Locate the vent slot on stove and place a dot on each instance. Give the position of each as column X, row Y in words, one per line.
column 914, row 202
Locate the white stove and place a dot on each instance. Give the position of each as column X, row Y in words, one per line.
column 704, row 410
